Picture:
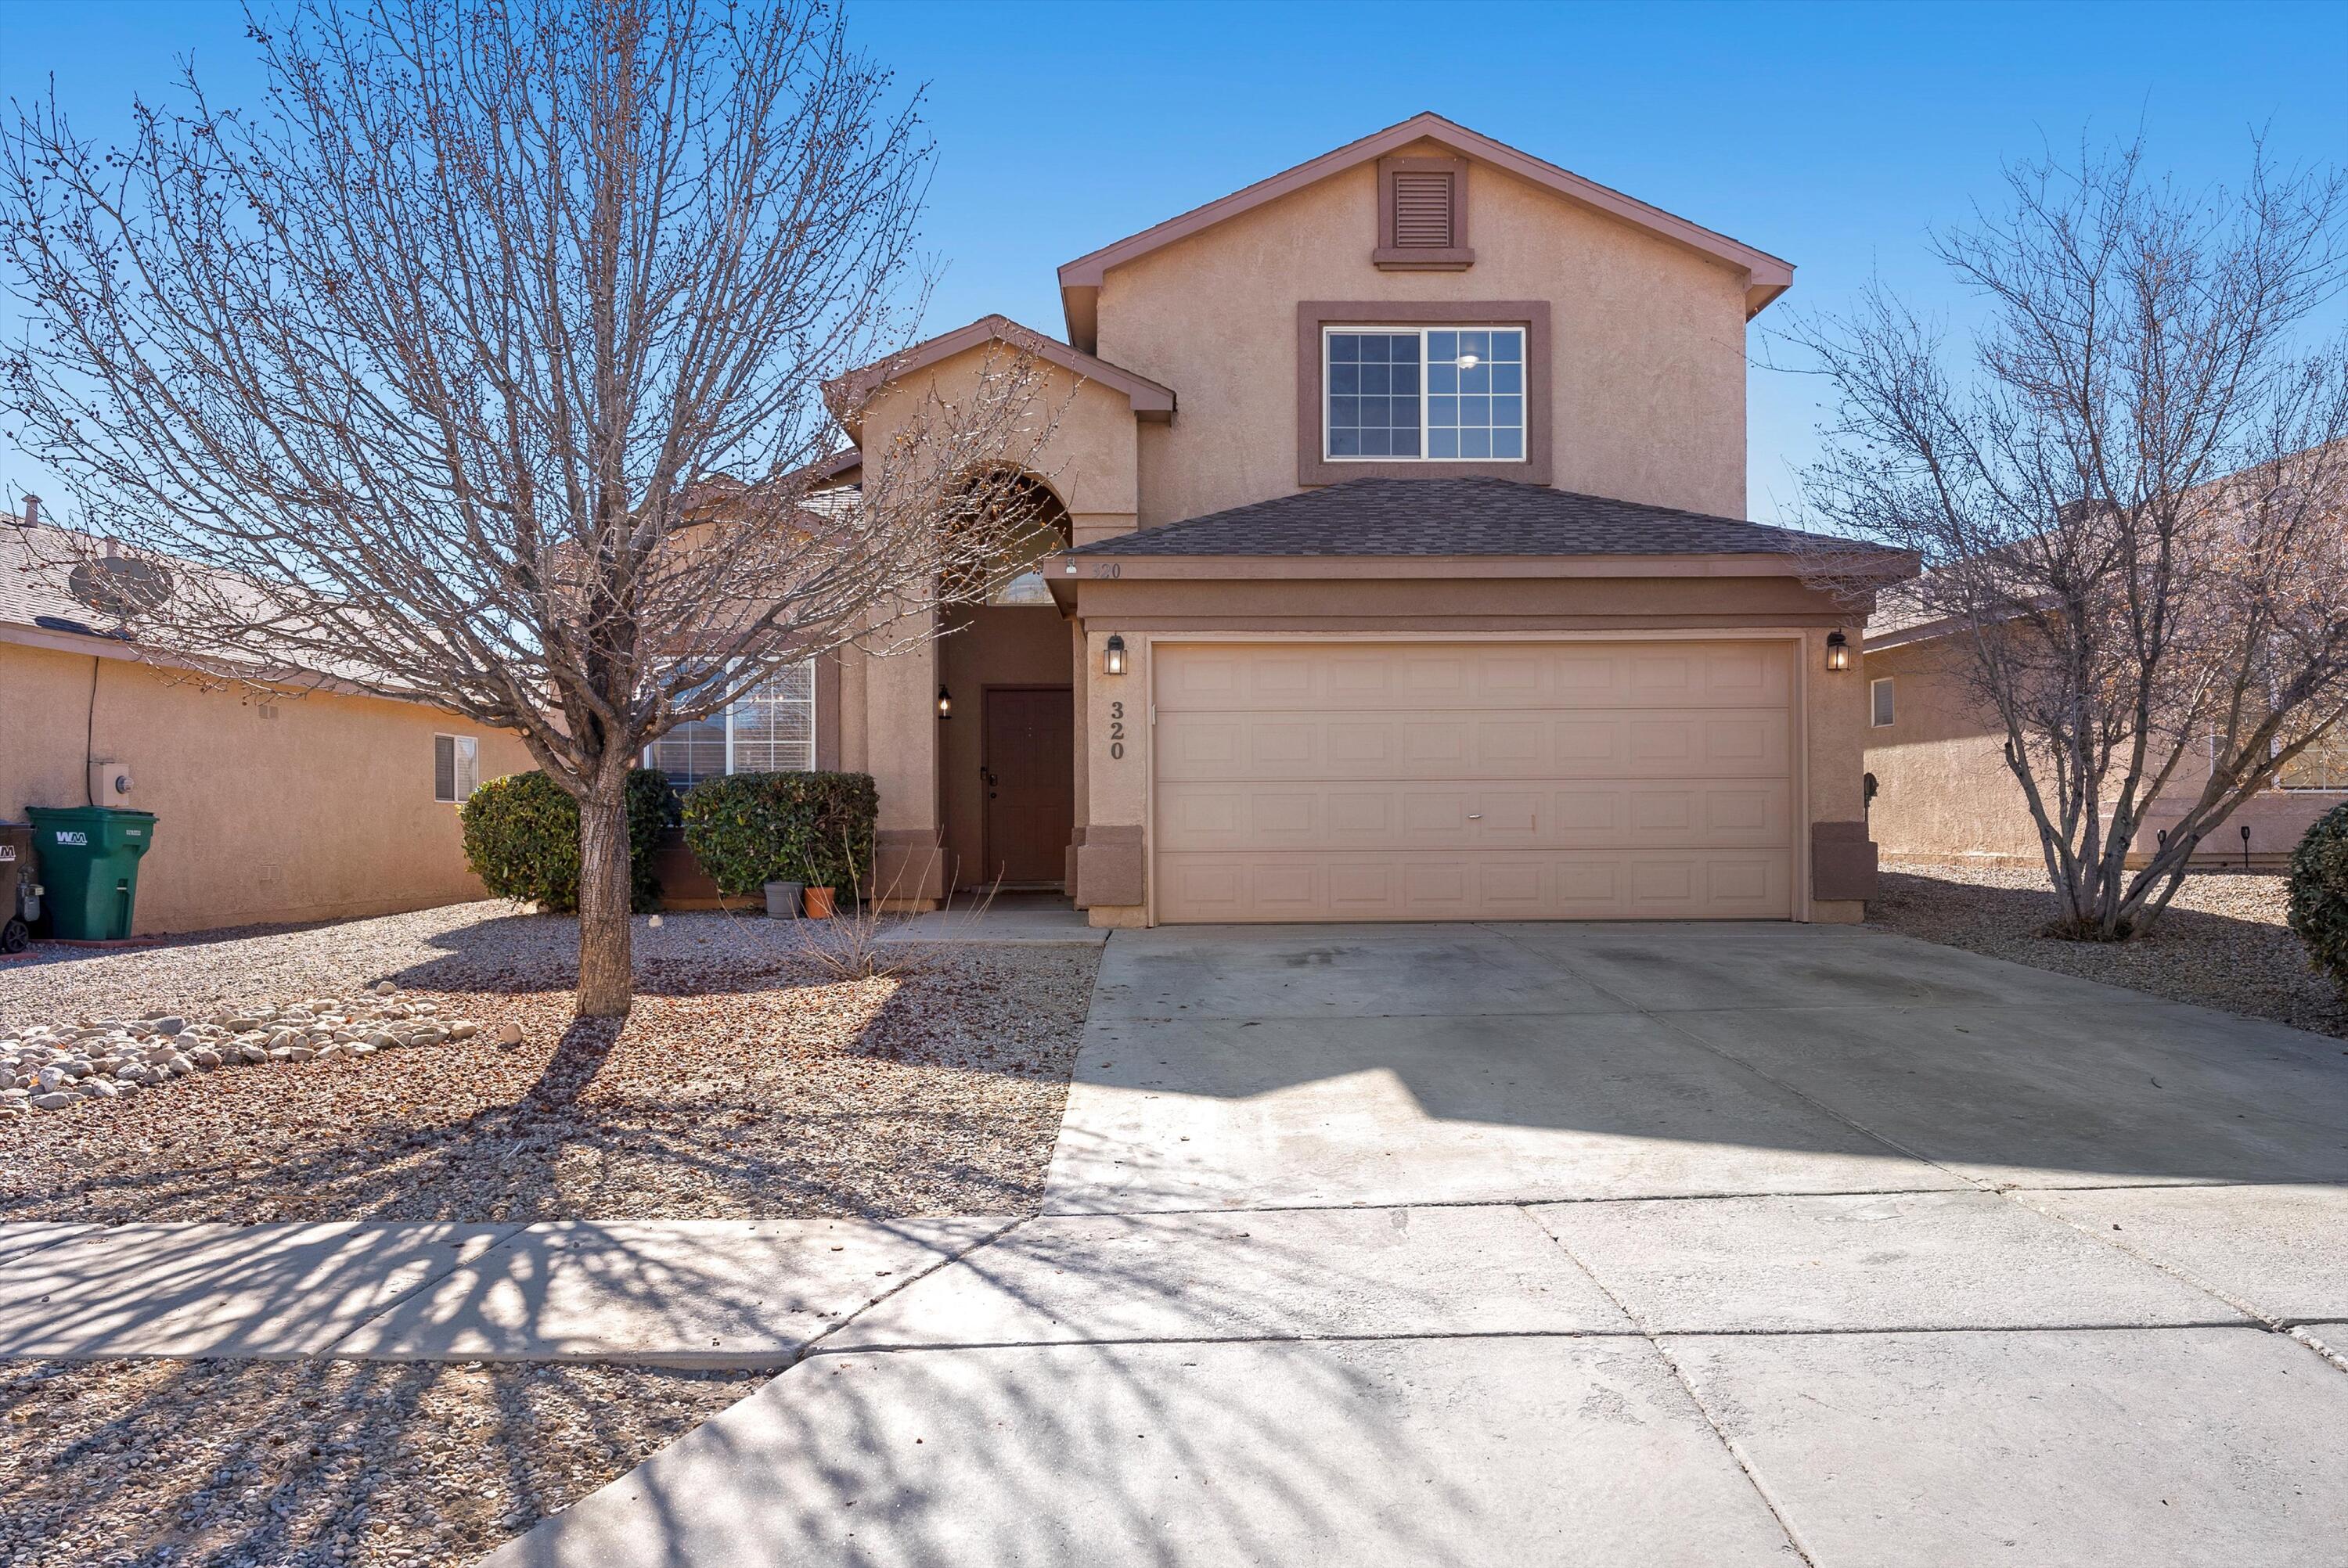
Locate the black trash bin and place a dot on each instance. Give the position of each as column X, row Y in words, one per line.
column 20, row 887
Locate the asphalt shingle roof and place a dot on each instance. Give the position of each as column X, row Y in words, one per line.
column 1459, row 518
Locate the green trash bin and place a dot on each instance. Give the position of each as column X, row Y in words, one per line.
column 89, row 866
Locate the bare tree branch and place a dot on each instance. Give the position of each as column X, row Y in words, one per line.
column 483, row 360
column 2130, row 496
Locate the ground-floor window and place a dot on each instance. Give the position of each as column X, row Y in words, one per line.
column 456, row 768
column 2323, row 765
column 769, row 729
column 1880, row 712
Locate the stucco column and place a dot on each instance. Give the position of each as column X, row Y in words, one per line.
column 901, row 738
column 1114, row 738
column 1080, row 680
column 1841, row 858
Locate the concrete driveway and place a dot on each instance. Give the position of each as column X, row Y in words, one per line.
column 1593, row 1243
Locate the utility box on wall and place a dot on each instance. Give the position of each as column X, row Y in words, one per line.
column 110, row 783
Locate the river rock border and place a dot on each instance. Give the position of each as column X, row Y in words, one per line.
column 57, row 1065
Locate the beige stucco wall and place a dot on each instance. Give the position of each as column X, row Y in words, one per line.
column 1115, row 789
column 1942, row 789
column 1081, row 433
column 1648, row 362
column 1945, row 792
column 323, row 812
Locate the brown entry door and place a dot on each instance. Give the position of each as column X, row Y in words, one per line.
column 1030, row 777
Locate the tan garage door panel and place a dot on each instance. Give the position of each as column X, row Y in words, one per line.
column 1367, row 781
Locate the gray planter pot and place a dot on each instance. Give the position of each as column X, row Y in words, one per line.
column 783, row 900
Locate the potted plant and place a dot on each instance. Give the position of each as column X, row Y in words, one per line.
column 822, row 882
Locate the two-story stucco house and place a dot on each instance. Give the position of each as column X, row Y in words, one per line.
column 1404, row 576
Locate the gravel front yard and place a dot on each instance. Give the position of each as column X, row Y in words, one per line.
column 2223, row 942
column 215, row 1464
column 746, row 1084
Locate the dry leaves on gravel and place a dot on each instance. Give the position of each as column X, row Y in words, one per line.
column 218, row 1463
column 2223, row 943
column 743, row 1086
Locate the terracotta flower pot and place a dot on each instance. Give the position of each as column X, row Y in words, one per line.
column 818, row 903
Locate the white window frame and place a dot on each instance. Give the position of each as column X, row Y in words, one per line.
column 2292, row 788
column 813, row 707
column 464, row 768
column 1875, row 708
column 1331, row 331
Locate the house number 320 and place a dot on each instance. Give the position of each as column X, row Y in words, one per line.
column 1117, row 730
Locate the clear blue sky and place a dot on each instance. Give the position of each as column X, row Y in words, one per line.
column 1834, row 135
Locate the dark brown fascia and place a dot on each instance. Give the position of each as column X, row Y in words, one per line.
column 846, row 395
column 1389, row 257
column 1328, row 568
column 1766, row 276
column 1311, row 315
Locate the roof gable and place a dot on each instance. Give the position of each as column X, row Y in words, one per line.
column 847, row 395
column 1766, row 276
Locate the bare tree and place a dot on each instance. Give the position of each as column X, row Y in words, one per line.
column 484, row 362
column 2126, row 494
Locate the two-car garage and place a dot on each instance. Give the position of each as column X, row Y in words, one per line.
column 1549, row 779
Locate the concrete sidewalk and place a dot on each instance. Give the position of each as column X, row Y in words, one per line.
column 1019, row 920
column 687, row 1292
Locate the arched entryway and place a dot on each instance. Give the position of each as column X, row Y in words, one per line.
column 1006, row 765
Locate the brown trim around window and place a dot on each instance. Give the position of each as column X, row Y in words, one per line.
column 1312, row 315
column 1394, row 257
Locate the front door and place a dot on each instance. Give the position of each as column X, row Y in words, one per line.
column 1030, row 773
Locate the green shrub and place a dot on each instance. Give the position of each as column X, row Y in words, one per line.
column 2319, row 893
column 750, row 829
column 522, row 837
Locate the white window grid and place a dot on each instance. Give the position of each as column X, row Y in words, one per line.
column 456, row 768
column 1426, row 394
column 2321, row 769
column 1882, row 703
column 769, row 728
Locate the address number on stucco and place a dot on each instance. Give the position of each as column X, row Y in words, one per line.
column 1116, row 730
column 1107, row 568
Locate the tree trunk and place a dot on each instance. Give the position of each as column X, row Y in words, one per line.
column 606, row 966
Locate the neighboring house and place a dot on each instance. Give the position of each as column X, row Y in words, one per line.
column 1406, row 577
column 300, row 804
column 1943, row 792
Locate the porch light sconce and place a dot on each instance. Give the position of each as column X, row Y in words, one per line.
column 945, row 703
column 1113, row 656
column 1837, row 651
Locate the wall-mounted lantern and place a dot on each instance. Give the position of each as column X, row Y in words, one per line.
column 1113, row 656
column 945, row 703
column 1837, row 651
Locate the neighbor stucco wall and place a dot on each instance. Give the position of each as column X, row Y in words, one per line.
column 324, row 811
column 1647, row 358
column 1945, row 792
column 1942, row 788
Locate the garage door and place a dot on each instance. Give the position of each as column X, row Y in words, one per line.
column 1358, row 781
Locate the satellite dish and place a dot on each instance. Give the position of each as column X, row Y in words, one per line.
column 119, row 586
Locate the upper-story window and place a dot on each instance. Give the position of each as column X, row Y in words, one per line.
column 1424, row 393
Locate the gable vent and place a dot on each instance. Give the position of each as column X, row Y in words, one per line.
column 1422, row 209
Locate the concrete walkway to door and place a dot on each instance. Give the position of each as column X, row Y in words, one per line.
column 1659, row 1244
